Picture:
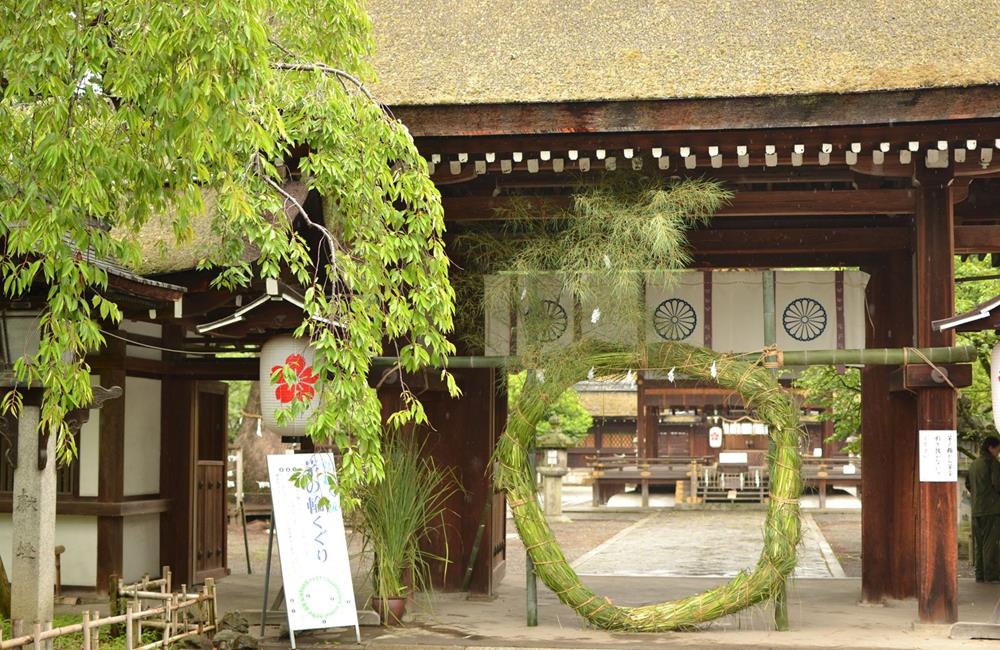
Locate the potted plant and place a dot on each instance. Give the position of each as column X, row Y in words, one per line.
column 399, row 513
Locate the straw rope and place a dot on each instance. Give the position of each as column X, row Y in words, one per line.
column 782, row 527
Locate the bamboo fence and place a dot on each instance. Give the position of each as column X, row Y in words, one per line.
column 149, row 604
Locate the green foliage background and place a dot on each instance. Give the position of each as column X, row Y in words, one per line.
column 574, row 420
column 113, row 114
column 840, row 394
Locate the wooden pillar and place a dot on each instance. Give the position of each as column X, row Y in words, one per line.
column 888, row 442
column 177, row 462
column 641, row 434
column 651, row 419
column 937, row 542
column 111, row 467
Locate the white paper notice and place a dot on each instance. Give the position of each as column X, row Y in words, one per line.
column 938, row 456
column 315, row 567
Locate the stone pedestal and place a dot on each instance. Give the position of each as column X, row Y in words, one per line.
column 553, row 468
column 34, row 523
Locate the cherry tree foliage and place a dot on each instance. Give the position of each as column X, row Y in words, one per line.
column 113, row 113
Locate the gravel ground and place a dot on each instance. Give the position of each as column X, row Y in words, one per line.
column 843, row 532
column 585, row 532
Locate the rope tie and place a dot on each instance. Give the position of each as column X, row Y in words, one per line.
column 772, row 357
column 923, row 357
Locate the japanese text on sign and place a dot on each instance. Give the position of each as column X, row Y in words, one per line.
column 938, row 456
column 315, row 567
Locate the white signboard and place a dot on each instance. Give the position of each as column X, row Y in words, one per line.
column 315, row 568
column 938, row 456
column 733, row 458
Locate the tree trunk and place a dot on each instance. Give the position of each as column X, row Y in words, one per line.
column 4, row 592
column 255, row 450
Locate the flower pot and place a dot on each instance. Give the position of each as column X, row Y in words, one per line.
column 390, row 610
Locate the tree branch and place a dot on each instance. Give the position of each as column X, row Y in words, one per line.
column 319, row 67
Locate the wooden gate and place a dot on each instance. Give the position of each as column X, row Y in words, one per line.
column 210, row 535
column 210, row 482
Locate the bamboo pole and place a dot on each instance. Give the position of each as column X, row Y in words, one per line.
column 851, row 357
column 129, row 628
column 770, row 340
column 86, row 630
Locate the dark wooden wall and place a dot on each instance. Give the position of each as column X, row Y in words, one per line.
column 462, row 436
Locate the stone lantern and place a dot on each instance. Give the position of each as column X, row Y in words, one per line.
column 553, row 467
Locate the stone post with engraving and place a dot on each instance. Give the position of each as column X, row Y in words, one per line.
column 34, row 523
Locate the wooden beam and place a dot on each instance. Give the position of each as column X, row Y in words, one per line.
column 970, row 240
column 799, row 240
column 218, row 369
column 142, row 289
column 91, row 506
column 857, row 111
column 743, row 204
column 911, row 377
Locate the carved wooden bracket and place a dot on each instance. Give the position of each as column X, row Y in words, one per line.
column 75, row 419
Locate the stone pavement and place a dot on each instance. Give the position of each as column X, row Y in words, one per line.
column 823, row 614
column 701, row 543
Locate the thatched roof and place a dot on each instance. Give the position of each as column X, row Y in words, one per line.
column 445, row 52
column 608, row 403
column 162, row 253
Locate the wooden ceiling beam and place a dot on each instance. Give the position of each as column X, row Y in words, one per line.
column 743, row 204
column 970, row 240
column 799, row 240
column 854, row 113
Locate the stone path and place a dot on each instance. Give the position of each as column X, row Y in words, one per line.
column 706, row 543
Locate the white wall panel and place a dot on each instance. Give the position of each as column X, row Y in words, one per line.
column 142, row 436
column 140, row 546
column 78, row 534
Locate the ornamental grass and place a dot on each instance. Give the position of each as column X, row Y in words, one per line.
column 761, row 393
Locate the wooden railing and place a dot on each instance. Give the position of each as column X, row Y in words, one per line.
column 695, row 477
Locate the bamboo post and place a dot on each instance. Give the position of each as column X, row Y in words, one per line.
column 86, row 630
column 37, row 642
column 531, row 582
column 168, row 626
column 114, row 606
column 96, row 630
column 474, row 554
column 212, row 601
column 770, row 339
column 182, row 614
column 129, row 629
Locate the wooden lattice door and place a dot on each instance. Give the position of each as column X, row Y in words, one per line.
column 210, row 482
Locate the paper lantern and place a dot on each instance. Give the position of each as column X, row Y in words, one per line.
column 286, row 378
column 715, row 437
column 995, row 384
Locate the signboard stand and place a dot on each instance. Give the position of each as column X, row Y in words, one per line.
column 312, row 547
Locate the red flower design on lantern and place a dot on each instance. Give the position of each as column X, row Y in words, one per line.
column 301, row 385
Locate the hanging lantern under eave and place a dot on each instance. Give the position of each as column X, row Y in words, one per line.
column 286, row 378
